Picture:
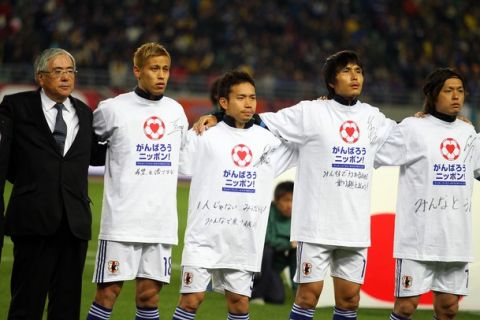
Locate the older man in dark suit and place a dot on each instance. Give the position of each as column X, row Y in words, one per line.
column 48, row 215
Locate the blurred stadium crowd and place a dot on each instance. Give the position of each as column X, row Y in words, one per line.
column 285, row 42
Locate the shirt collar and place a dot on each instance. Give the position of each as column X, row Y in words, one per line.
column 48, row 104
column 345, row 102
column 231, row 122
column 443, row 116
column 144, row 94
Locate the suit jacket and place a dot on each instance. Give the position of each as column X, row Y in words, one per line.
column 47, row 185
column 5, row 130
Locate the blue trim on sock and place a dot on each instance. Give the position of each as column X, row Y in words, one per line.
column 98, row 312
column 182, row 314
column 147, row 313
column 299, row 313
column 394, row 316
column 341, row 314
column 243, row 316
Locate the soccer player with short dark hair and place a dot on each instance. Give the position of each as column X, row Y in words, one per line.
column 232, row 167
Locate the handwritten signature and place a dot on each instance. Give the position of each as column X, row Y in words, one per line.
column 469, row 147
column 372, row 130
column 265, row 157
column 176, row 126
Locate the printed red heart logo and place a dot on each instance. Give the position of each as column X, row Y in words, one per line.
column 242, row 154
column 154, row 127
column 350, row 131
column 450, row 148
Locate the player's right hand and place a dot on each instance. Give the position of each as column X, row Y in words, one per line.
column 203, row 123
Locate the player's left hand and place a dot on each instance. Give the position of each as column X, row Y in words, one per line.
column 203, row 123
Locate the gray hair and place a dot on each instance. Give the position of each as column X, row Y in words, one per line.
column 41, row 61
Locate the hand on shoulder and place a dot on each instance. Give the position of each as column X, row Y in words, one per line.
column 203, row 123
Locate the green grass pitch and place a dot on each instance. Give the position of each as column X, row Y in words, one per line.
column 213, row 307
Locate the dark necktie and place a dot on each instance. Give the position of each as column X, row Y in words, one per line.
column 60, row 130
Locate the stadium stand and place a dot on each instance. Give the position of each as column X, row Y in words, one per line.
column 282, row 42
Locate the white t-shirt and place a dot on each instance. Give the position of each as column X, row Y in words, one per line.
column 438, row 162
column 337, row 145
column 144, row 139
column 230, row 193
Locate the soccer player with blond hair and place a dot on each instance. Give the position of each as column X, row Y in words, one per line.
column 144, row 131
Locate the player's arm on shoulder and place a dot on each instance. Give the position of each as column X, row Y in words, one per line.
column 286, row 157
column 187, row 153
column 420, row 114
column 293, row 123
column 385, row 127
column 207, row 121
column 393, row 151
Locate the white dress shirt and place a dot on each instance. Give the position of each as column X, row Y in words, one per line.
column 69, row 116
